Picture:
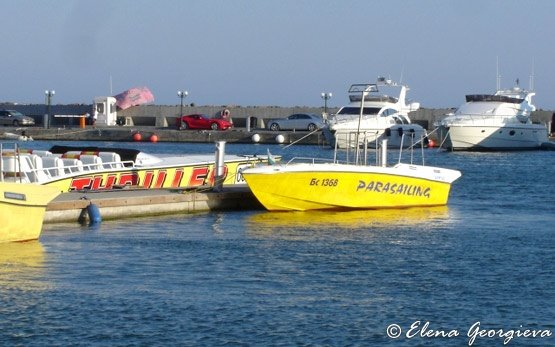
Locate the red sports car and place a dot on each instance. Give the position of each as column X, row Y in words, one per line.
column 201, row 121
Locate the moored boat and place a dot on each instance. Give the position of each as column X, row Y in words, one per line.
column 489, row 122
column 94, row 168
column 315, row 185
column 382, row 115
column 312, row 186
column 22, row 208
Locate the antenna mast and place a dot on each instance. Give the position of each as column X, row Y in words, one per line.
column 498, row 76
column 532, row 77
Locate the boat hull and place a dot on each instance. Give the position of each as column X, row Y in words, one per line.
column 179, row 176
column 22, row 208
column 336, row 186
column 490, row 138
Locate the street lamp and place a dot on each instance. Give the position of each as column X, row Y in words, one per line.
column 48, row 94
column 181, row 95
column 326, row 97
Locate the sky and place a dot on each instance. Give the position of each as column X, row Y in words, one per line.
column 274, row 52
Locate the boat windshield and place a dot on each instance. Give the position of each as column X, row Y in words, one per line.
column 356, row 110
column 494, row 98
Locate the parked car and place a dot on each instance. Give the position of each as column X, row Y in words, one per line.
column 297, row 121
column 201, row 121
column 15, row 118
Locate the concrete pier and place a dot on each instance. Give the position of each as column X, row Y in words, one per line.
column 118, row 133
column 128, row 203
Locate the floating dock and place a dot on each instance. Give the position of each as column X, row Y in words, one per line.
column 129, row 203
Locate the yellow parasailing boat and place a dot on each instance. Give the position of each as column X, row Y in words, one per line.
column 22, row 208
column 315, row 185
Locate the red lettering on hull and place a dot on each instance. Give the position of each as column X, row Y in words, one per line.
column 80, row 183
column 128, row 179
column 152, row 179
column 160, row 179
column 212, row 178
column 177, row 178
column 98, row 183
column 198, row 176
column 149, row 175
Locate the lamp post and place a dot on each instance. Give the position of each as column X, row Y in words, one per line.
column 326, row 97
column 48, row 94
column 181, row 95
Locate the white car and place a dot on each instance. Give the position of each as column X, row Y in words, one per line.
column 297, row 121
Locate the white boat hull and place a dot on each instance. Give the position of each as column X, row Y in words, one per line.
column 510, row 137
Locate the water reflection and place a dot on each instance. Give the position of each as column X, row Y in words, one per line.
column 21, row 265
column 344, row 223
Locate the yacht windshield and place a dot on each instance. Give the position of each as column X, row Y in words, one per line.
column 494, row 98
column 356, row 110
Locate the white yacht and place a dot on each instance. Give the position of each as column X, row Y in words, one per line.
column 384, row 115
column 499, row 121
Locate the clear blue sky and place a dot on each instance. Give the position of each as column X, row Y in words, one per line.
column 273, row 52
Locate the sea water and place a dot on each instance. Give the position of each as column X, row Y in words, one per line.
column 479, row 271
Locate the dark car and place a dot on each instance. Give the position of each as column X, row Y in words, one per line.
column 201, row 121
column 15, row 118
column 297, row 121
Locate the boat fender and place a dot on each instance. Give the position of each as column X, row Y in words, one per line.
column 137, row 137
column 90, row 214
column 94, row 214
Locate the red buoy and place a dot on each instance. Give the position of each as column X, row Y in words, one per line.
column 153, row 138
column 137, row 137
column 431, row 143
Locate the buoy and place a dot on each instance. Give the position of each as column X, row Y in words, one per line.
column 280, row 138
column 94, row 214
column 255, row 138
column 153, row 138
column 431, row 143
column 137, row 137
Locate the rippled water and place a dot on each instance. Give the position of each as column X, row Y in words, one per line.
column 312, row 278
